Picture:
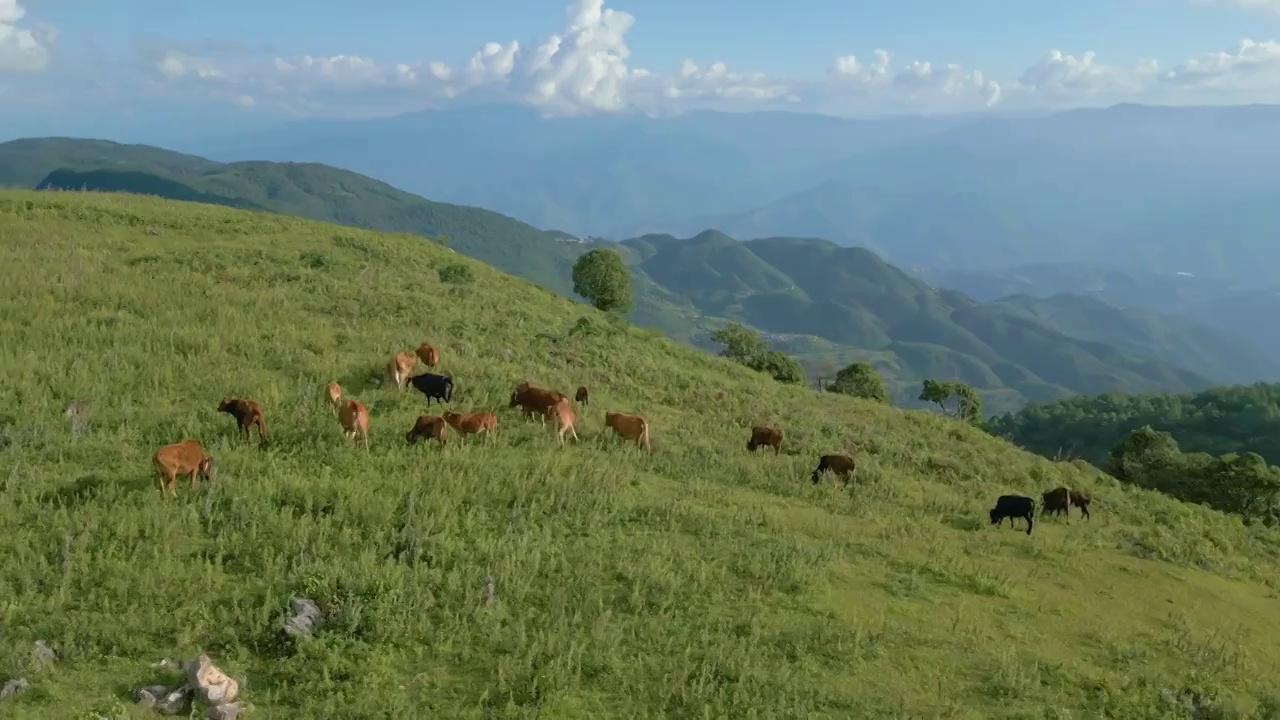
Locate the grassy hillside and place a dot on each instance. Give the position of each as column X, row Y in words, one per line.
column 685, row 287
column 696, row 581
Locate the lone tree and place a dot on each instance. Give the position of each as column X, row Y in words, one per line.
column 860, row 380
column 747, row 347
column 603, row 278
column 954, row 398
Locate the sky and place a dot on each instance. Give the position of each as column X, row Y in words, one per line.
column 80, row 62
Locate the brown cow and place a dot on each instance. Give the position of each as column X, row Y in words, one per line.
column 565, row 418
column 179, row 459
column 764, row 436
column 1081, row 499
column 582, row 396
column 476, row 422
column 629, row 427
column 248, row 414
column 334, row 392
column 354, row 418
column 428, row 427
column 841, row 465
column 399, row 367
column 535, row 400
column 428, row 354
column 1056, row 502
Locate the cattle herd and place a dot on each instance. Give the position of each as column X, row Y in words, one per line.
column 189, row 457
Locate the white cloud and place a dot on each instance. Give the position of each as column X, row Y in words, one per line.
column 23, row 48
column 588, row 67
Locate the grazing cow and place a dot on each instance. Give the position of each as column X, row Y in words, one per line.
column 180, row 459
column 1013, row 506
column 842, row 465
column 428, row 354
column 428, row 427
column 629, row 427
column 399, row 366
column 471, row 423
column 1056, row 502
column 439, row 387
column 334, row 392
column 582, row 396
column 535, row 400
column 248, row 414
column 1081, row 499
column 354, row 418
column 762, row 436
column 565, row 418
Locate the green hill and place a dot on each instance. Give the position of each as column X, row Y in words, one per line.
column 696, row 581
column 791, row 286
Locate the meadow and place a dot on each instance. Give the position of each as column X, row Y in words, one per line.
column 519, row 579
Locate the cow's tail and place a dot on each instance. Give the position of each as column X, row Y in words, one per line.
column 644, row 436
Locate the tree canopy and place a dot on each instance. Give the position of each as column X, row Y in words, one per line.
column 602, row 277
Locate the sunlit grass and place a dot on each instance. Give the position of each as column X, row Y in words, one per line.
column 696, row 581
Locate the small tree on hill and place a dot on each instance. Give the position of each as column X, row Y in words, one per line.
column 860, row 380
column 603, row 278
column 954, row 398
column 748, row 348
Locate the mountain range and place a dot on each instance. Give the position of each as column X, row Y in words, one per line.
column 825, row 303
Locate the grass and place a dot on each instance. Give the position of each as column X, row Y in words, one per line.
column 696, row 581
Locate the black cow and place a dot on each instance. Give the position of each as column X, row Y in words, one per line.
column 439, row 387
column 1013, row 506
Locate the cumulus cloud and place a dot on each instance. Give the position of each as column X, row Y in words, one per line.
column 23, row 47
column 587, row 67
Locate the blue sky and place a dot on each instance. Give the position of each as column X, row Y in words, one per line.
column 240, row 59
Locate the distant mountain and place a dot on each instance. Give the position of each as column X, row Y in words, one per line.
column 828, row 304
column 1163, row 189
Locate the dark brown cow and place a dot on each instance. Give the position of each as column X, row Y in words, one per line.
column 1081, row 499
column 1056, row 502
column 582, row 396
column 354, row 418
column 629, row 427
column 428, row 427
column 471, row 423
column 428, row 354
column 399, row 367
column 842, row 465
column 764, row 436
column 182, row 458
column 565, row 419
column 535, row 400
column 248, row 414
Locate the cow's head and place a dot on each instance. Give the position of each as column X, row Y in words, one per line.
column 995, row 516
column 207, row 470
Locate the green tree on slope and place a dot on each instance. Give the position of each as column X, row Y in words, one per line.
column 603, row 278
column 954, row 398
column 748, row 348
column 860, row 380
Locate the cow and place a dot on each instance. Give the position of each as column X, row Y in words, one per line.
column 629, row 427
column 248, row 414
column 1056, row 502
column 399, row 366
column 428, row 354
column 535, row 400
column 354, row 418
column 842, row 465
column 582, row 397
column 182, row 458
column 1081, row 499
column 763, row 436
column 1013, row 506
column 476, row 422
column 428, row 427
column 439, row 387
column 334, row 392
column 565, row 418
